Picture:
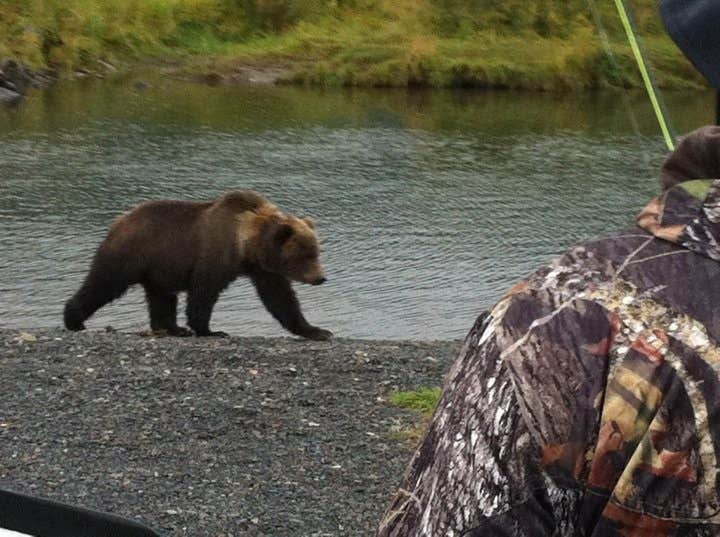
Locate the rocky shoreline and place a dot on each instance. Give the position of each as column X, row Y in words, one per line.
column 212, row 437
column 16, row 79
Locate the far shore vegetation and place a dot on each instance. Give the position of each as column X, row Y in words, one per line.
column 550, row 45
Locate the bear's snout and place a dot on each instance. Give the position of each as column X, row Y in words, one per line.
column 319, row 281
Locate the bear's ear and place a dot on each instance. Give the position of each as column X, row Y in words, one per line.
column 282, row 233
column 309, row 221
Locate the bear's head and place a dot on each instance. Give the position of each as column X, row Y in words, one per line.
column 289, row 245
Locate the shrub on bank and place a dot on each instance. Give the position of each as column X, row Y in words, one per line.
column 540, row 44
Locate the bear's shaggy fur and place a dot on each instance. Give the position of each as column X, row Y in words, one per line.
column 201, row 247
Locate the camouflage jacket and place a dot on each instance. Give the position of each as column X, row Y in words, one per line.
column 587, row 403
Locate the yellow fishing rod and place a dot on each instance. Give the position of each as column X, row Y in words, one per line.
column 654, row 99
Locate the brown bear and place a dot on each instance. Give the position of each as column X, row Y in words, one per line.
column 201, row 247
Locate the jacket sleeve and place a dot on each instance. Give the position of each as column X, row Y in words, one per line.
column 477, row 461
column 511, row 429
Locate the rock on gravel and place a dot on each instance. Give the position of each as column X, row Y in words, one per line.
column 8, row 96
column 211, row 437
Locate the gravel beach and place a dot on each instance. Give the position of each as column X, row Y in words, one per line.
column 211, row 437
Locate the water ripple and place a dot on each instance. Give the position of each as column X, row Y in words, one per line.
column 423, row 228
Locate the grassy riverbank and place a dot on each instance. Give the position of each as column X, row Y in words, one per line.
column 541, row 44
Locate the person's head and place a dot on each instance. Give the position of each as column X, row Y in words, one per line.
column 697, row 156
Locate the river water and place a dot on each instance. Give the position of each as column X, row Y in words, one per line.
column 430, row 203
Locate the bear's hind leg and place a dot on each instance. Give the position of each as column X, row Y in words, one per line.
column 200, row 303
column 162, row 306
column 96, row 291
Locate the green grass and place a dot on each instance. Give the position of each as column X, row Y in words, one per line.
column 423, row 401
column 530, row 44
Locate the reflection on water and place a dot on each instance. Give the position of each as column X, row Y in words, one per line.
column 431, row 204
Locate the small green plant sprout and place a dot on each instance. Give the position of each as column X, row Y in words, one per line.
column 424, row 401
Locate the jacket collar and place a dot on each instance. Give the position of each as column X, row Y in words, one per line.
column 687, row 214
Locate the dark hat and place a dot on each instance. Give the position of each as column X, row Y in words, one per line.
column 693, row 25
column 697, row 156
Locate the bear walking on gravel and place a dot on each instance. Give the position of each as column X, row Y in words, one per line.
column 201, row 247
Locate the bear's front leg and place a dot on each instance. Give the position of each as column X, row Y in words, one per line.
column 317, row 334
column 280, row 300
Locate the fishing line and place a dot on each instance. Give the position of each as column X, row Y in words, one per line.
column 654, row 98
column 605, row 40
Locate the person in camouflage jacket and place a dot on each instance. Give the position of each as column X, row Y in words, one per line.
column 587, row 402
